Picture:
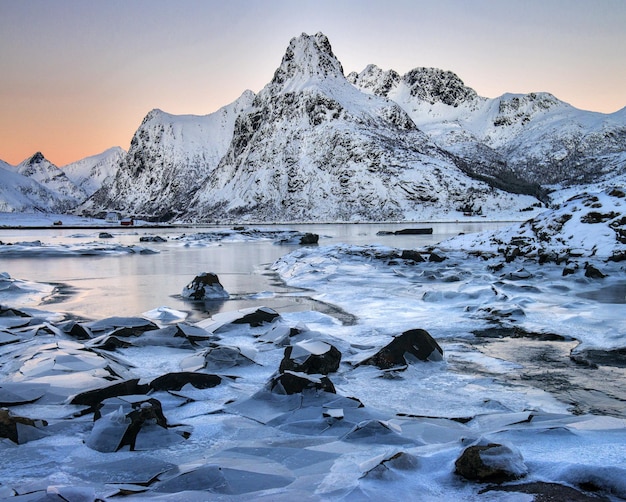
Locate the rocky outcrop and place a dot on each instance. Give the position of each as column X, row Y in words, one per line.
column 415, row 344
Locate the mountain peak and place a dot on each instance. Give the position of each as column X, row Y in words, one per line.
column 308, row 57
column 36, row 159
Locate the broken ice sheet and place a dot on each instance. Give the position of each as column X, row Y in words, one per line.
column 12, row 393
column 136, row 468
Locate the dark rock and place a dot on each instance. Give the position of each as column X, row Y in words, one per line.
column 547, row 492
column 618, row 256
column 414, row 231
column 569, row 270
column 176, row 381
column 205, row 286
column 295, row 383
column 19, row 429
column 259, row 317
column 132, row 421
column 511, row 253
column 408, row 254
column 309, row 238
column 151, row 238
column 412, row 344
column 105, row 235
column 490, row 462
column 436, row 257
column 597, row 217
column 143, row 412
column 311, row 357
column 592, row 272
column 95, row 396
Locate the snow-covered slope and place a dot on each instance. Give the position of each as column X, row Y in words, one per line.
column 535, row 136
column 169, row 156
column 314, row 147
column 589, row 225
column 90, row 173
column 19, row 193
column 46, row 173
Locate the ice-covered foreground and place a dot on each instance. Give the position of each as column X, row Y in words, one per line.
column 256, row 405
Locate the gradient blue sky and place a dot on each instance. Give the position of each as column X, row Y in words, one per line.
column 78, row 76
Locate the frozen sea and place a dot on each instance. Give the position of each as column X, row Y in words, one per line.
column 532, row 360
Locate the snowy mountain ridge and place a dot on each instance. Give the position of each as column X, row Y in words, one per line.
column 37, row 185
column 314, row 144
column 536, row 136
column 310, row 146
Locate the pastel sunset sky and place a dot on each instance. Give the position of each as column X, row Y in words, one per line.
column 78, row 76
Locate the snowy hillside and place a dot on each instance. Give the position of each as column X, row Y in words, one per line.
column 585, row 226
column 44, row 172
column 19, row 193
column 313, row 147
column 169, row 156
column 536, row 136
column 90, row 173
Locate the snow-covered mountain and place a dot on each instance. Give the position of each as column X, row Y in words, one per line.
column 90, row 173
column 314, row 147
column 169, row 157
column 19, row 193
column 535, row 136
column 37, row 185
column 317, row 145
column 47, row 174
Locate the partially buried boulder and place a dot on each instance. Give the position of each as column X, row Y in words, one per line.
column 311, row 357
column 491, row 462
column 410, row 345
column 294, row 383
column 205, row 286
column 20, row 429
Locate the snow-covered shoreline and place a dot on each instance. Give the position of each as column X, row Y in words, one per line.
column 521, row 368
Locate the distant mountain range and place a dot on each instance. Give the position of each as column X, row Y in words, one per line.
column 316, row 145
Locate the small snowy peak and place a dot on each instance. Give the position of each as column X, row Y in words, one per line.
column 374, row 80
column 438, row 86
column 45, row 173
column 522, row 108
column 308, row 57
column 19, row 193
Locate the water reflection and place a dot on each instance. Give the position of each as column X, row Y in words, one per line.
column 128, row 285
